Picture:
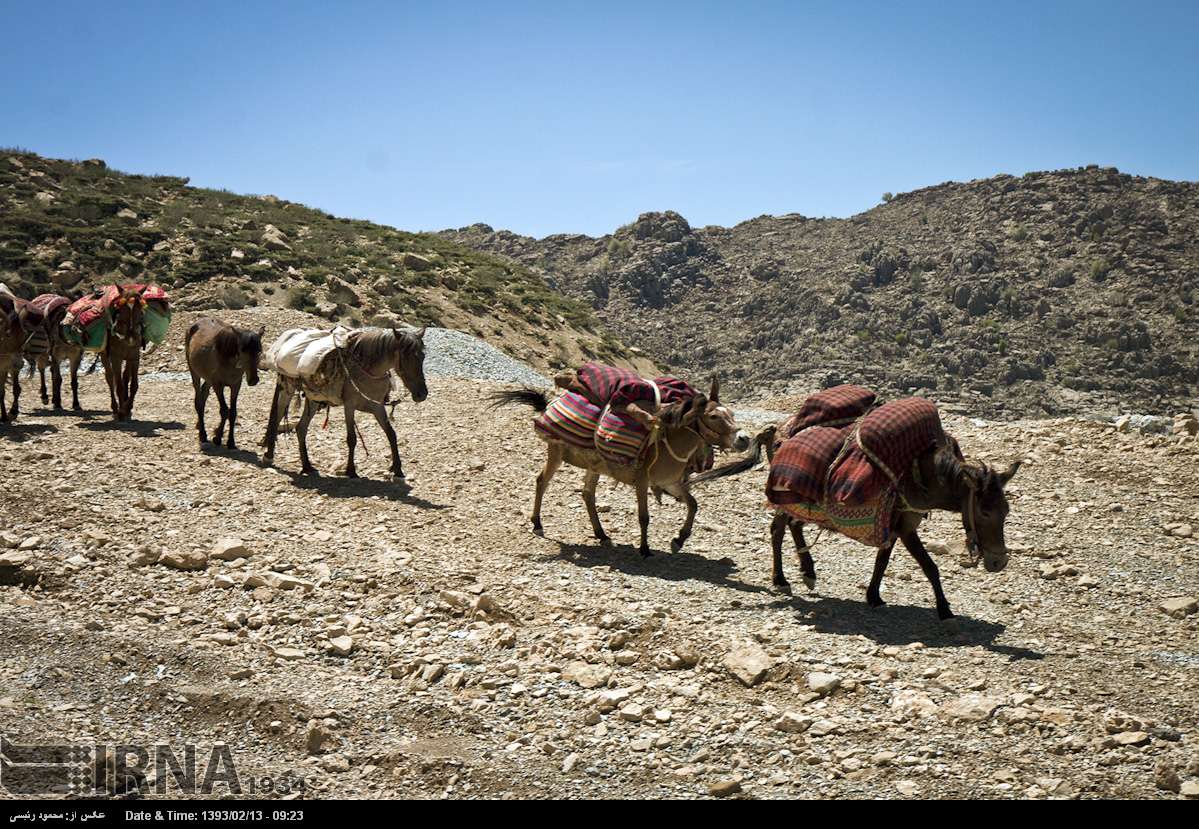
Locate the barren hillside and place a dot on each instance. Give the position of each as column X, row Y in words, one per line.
column 1060, row 292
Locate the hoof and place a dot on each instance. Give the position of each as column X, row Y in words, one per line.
column 782, row 585
column 646, row 553
column 945, row 614
column 810, row 582
column 676, row 545
column 539, row 530
column 308, row 470
column 605, row 541
column 875, row 601
column 351, row 473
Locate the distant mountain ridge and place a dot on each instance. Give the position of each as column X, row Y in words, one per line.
column 1071, row 291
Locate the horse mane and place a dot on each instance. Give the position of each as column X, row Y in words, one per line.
column 951, row 466
column 248, row 341
column 371, row 346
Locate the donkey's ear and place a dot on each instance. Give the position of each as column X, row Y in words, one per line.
column 699, row 404
column 1009, row 473
column 261, row 331
column 714, row 393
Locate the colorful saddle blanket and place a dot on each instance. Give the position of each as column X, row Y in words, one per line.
column 572, row 419
column 50, row 305
column 847, row 479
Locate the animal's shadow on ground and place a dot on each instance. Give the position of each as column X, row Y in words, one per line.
column 897, row 624
column 338, row 487
column 680, row 566
column 20, row 432
column 48, row 411
column 234, row 454
column 892, row 624
column 138, row 428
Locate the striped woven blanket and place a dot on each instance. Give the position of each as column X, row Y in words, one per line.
column 572, row 419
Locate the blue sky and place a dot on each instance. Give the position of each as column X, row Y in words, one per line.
column 575, row 117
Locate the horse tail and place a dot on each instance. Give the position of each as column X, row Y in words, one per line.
column 535, row 398
column 95, row 362
column 763, row 440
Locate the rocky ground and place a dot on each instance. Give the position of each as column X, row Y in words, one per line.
column 383, row 641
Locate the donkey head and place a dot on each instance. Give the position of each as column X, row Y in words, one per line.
column 713, row 422
column 984, row 511
column 128, row 313
column 410, row 362
column 716, row 424
column 249, row 352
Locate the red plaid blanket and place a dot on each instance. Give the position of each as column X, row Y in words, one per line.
column 837, row 406
column 847, row 479
column 889, row 440
column 86, row 310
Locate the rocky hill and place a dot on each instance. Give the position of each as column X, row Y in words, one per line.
column 1059, row 292
column 65, row 225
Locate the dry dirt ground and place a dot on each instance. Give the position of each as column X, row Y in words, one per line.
column 383, row 642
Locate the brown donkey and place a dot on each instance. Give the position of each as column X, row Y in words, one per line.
column 685, row 429
column 360, row 382
column 220, row 356
column 54, row 351
column 122, row 353
column 973, row 490
column 12, row 338
column 19, row 324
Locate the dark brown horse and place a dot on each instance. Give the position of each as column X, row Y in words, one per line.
column 220, row 356
column 358, row 378
column 53, row 349
column 122, row 353
column 19, row 324
column 973, row 490
column 686, row 428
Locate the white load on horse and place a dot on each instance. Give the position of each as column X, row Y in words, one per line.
column 353, row 368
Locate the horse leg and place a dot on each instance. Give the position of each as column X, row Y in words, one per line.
column 278, row 403
column 16, row 394
column 916, row 548
column 106, row 360
column 55, row 382
column 41, row 371
column 806, row 565
column 306, row 468
column 778, row 526
column 682, row 493
column 643, row 513
column 75, row 361
column 219, row 434
column 234, row 391
column 3, row 399
column 380, row 413
column 553, row 459
column 589, row 482
column 132, row 368
column 880, row 566
column 351, row 441
column 201, row 400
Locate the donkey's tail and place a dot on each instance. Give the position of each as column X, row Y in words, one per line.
column 539, row 400
column 763, row 440
column 187, row 343
column 95, row 362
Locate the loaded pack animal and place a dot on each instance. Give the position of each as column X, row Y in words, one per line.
column 22, row 328
column 219, row 357
column 57, row 350
column 122, row 353
column 875, row 481
column 675, row 435
column 352, row 369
